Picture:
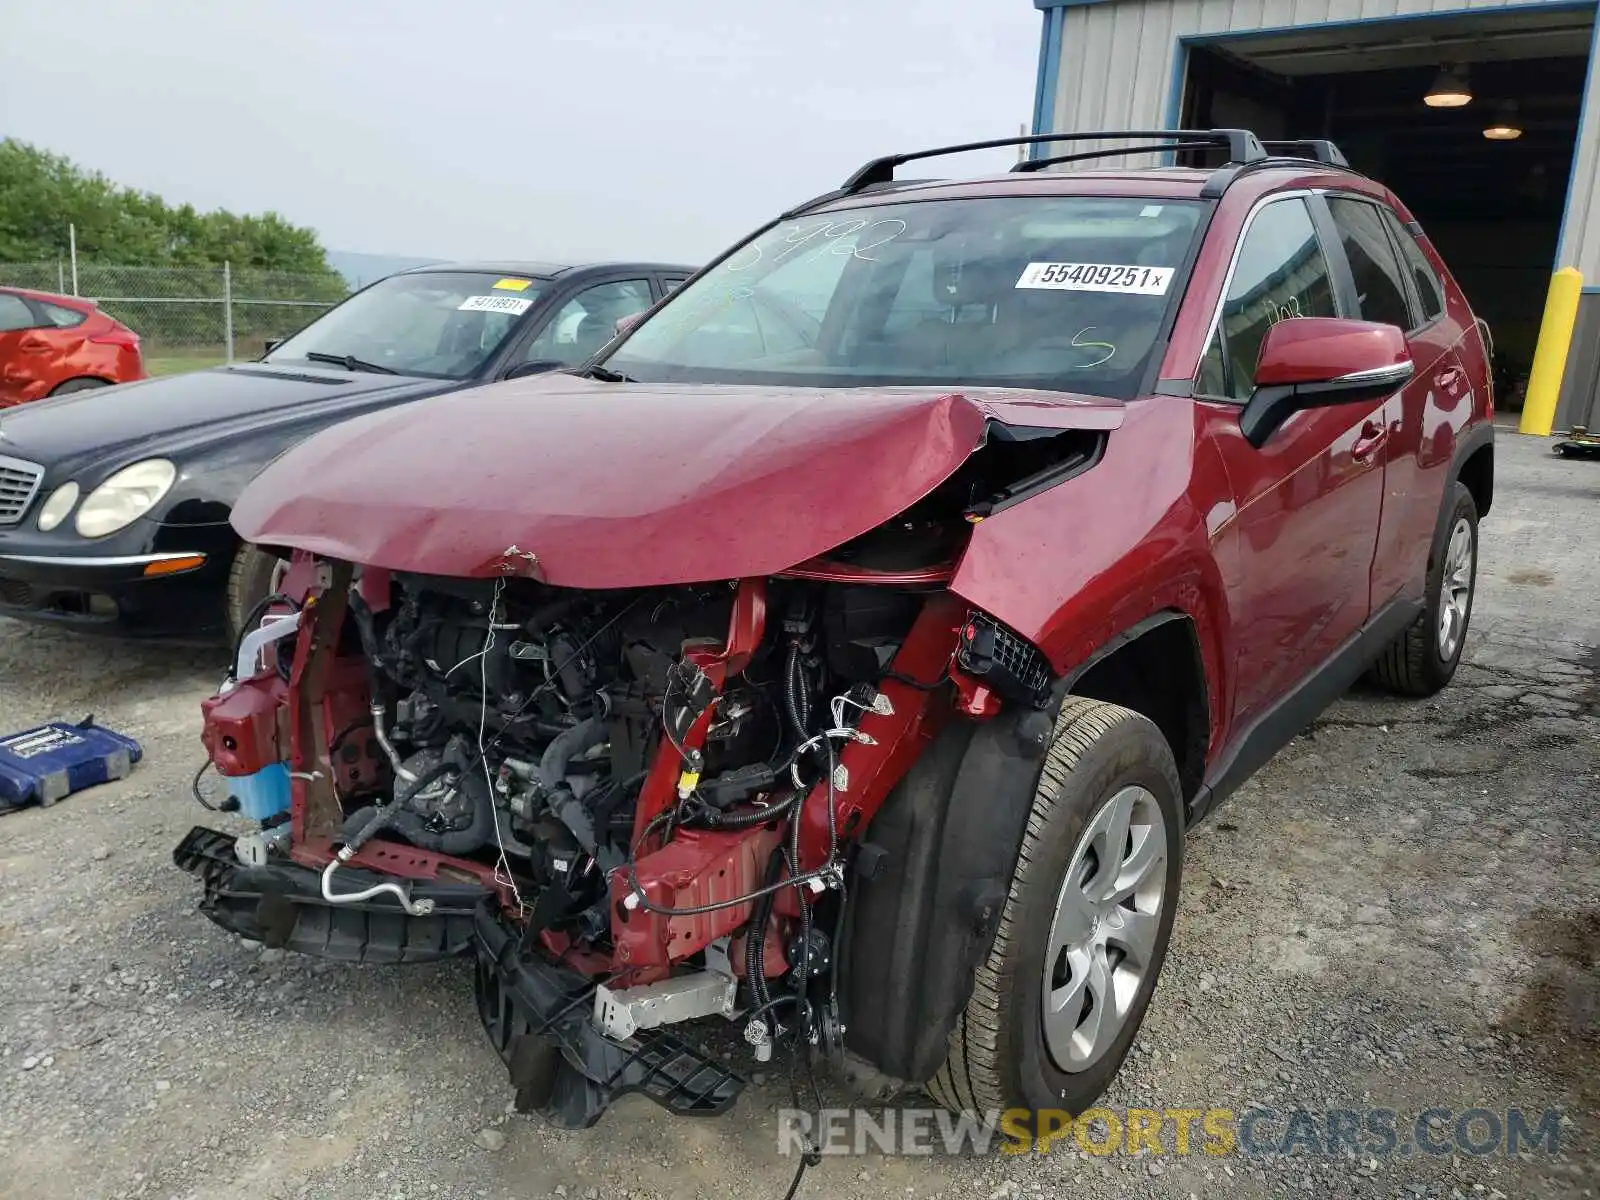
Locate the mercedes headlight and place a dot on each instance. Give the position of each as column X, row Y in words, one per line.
column 57, row 508
column 126, row 496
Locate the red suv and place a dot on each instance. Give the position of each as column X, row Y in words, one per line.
column 51, row 345
column 849, row 644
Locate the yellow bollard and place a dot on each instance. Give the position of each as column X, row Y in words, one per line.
column 1550, row 356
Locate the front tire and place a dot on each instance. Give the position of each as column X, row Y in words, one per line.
column 255, row 575
column 1086, row 923
column 1423, row 659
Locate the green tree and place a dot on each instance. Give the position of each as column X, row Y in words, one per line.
column 42, row 193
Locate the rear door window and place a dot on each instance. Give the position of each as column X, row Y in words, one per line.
column 1379, row 279
column 1281, row 272
column 587, row 322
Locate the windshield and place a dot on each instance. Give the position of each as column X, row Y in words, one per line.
column 445, row 324
column 1066, row 292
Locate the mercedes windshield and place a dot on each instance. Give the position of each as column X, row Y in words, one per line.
column 441, row 324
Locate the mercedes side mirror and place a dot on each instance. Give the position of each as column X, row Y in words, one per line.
column 1319, row 362
column 625, row 323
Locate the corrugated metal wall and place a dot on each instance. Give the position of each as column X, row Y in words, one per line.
column 1119, row 69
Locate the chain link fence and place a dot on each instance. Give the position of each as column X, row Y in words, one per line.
column 190, row 313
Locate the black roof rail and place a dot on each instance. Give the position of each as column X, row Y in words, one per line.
column 1317, row 149
column 1242, row 146
column 1029, row 165
column 1320, row 151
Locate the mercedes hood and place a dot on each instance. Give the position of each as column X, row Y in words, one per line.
column 179, row 414
column 581, row 483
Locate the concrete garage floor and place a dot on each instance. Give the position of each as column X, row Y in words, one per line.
column 1400, row 912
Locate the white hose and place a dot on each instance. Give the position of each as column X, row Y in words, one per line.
column 416, row 908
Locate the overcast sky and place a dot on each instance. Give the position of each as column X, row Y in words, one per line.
column 510, row 128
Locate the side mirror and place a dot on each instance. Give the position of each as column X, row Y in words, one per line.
column 625, row 323
column 271, row 345
column 1320, row 362
column 538, row 366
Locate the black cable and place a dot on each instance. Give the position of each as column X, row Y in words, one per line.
column 713, row 819
column 799, row 1043
column 755, row 946
column 793, row 682
column 195, row 787
column 757, row 1013
column 247, row 626
column 920, row 685
column 799, row 1174
column 350, row 727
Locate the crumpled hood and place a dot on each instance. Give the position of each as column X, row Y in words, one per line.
column 588, row 484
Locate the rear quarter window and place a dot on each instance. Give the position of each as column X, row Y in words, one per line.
column 1430, row 292
column 62, row 317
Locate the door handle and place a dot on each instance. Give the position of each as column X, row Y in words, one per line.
column 1373, row 436
column 35, row 345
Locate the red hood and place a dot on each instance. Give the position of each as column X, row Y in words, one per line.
column 627, row 485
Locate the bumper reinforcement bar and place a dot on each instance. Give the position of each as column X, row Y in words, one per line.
column 281, row 905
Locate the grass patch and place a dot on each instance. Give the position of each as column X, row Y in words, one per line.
column 177, row 360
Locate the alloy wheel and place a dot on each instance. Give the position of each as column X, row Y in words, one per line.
column 1455, row 589
column 1103, row 936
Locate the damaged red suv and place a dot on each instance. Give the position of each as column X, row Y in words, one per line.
column 845, row 649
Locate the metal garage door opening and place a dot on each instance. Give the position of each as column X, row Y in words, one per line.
column 1493, row 204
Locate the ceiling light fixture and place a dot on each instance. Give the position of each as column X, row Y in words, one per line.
column 1505, row 127
column 1449, row 89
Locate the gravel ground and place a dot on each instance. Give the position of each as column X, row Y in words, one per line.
column 1399, row 912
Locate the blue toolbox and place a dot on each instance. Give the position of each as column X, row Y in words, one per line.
column 53, row 761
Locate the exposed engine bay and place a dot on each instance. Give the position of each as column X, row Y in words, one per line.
column 635, row 807
column 524, row 722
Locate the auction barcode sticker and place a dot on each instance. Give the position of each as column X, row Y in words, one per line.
column 1097, row 277
column 515, row 305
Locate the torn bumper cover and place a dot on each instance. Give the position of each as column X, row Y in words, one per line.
column 539, row 1017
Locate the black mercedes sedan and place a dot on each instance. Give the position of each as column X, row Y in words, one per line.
column 114, row 503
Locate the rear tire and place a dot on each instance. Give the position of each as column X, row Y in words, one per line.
column 1423, row 659
column 255, row 575
column 79, row 385
column 1069, row 955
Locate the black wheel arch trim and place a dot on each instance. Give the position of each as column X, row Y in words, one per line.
column 1468, row 444
column 949, row 835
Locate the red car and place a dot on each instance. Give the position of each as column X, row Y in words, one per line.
column 849, row 644
column 51, row 345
